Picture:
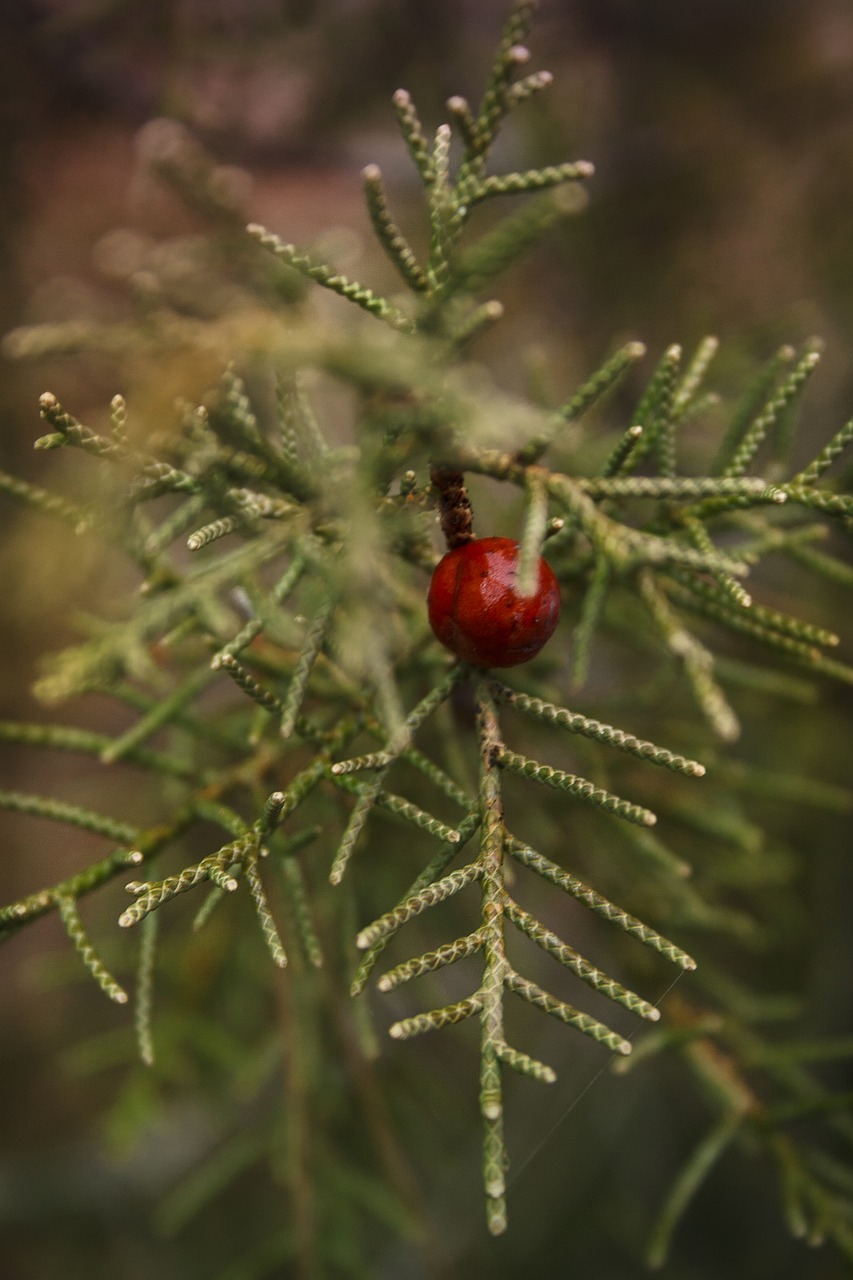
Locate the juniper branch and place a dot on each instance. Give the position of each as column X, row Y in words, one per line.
column 73, row 925
column 534, row 995
column 600, row 905
column 321, row 274
column 388, row 233
column 576, row 786
column 563, row 718
column 769, row 416
column 571, row 959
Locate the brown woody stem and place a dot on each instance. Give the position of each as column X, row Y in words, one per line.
column 457, row 516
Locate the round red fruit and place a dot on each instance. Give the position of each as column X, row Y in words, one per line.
column 476, row 610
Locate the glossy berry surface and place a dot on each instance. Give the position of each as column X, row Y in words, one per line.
column 475, row 608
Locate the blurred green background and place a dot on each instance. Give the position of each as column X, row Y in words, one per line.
column 722, row 135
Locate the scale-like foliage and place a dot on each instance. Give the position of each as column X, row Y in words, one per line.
column 291, row 573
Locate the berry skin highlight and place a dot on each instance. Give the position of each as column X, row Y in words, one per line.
column 475, row 609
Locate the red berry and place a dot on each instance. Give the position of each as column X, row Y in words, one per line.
column 476, row 611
